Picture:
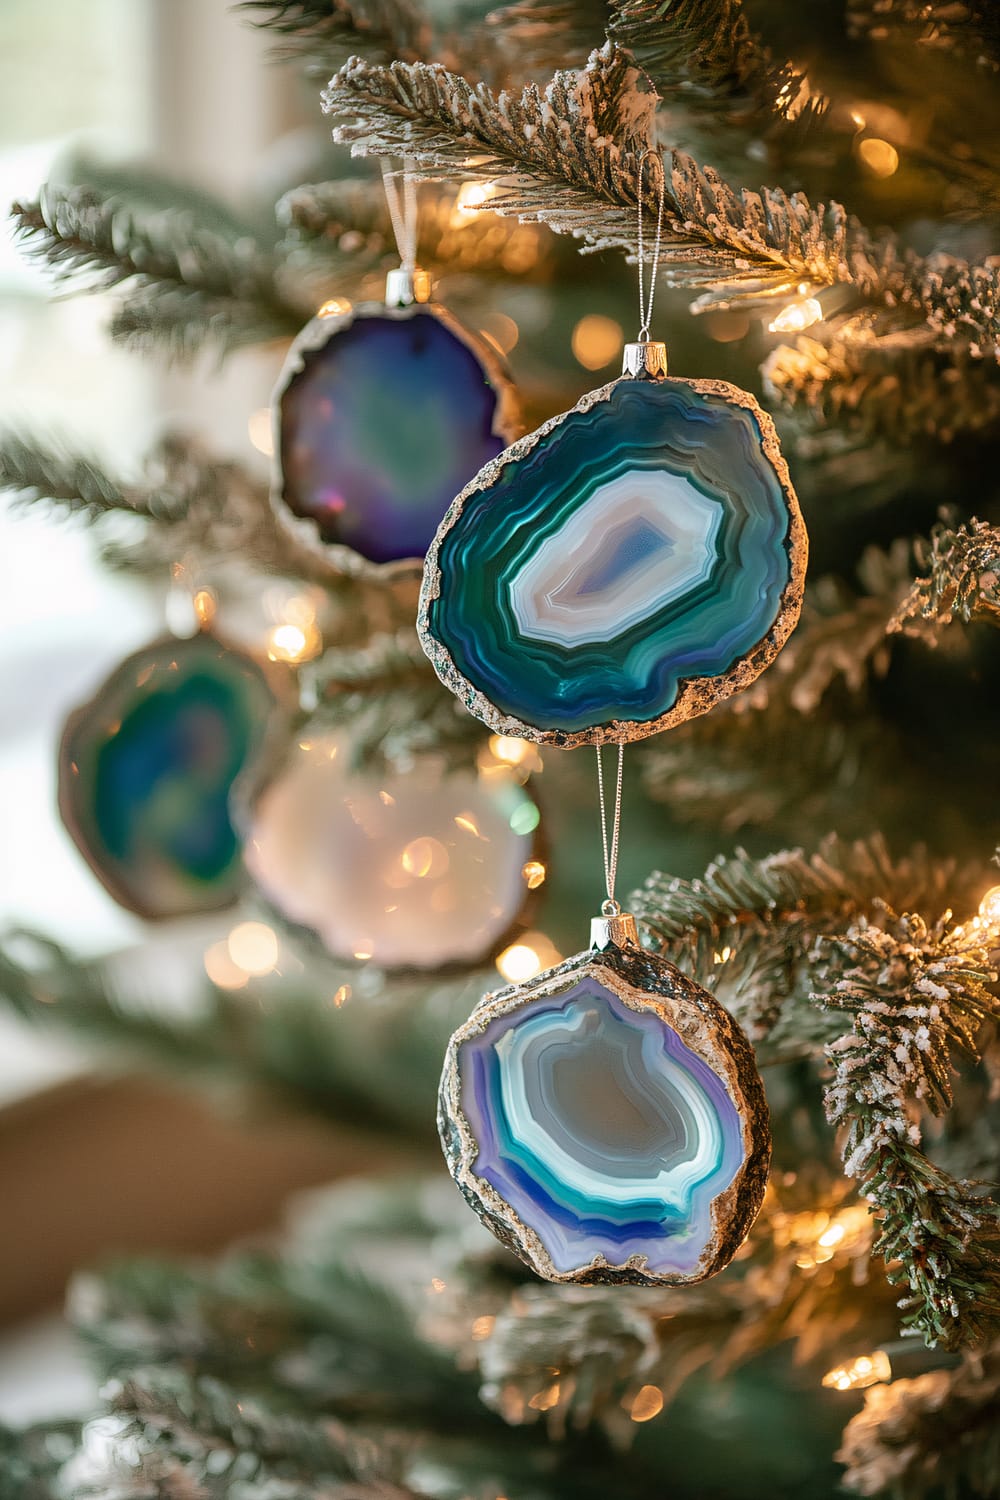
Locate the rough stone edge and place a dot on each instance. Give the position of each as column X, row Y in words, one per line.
column 339, row 559
column 696, row 695
column 643, row 981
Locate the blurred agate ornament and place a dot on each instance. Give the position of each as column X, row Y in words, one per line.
column 606, row 1120
column 408, row 870
column 625, row 567
column 146, row 769
column 382, row 413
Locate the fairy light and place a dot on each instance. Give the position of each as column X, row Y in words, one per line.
column 221, row 970
column 253, row 947
column 296, row 636
column 333, row 307
column 647, row 1404
column 532, row 953
column 204, row 603
column 519, row 962
column 259, row 431
column 865, row 1370
column 424, row 858
column 341, row 996
column 483, row 1327
column 797, row 315
column 533, row 874
column 471, row 197
column 506, row 756
column 596, row 341
column 989, row 907
column 546, row 1399
column 880, row 157
column 508, row 749
column 821, row 1235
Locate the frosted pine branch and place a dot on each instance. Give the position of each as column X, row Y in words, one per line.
column 919, row 995
column 567, row 156
column 188, row 282
column 913, row 1432
column 765, row 916
column 324, row 32
column 894, row 388
column 705, row 52
column 961, row 582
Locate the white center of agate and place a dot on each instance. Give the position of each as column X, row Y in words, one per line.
column 639, row 542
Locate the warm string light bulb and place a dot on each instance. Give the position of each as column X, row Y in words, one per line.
column 989, row 908
column 859, row 1373
column 796, row 316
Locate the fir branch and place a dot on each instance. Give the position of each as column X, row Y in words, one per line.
column 386, row 694
column 31, row 1458
column 180, row 269
column 325, row 32
column 36, row 470
column 918, row 995
column 897, row 387
column 913, row 1433
column 375, row 1071
column 705, row 50
column 961, row 582
column 567, row 156
column 766, row 916
column 349, row 224
column 223, row 1435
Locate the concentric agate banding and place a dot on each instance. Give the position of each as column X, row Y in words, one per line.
column 457, row 421
column 148, row 765
column 625, row 567
column 607, row 1122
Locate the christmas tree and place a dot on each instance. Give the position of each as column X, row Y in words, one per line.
column 825, row 217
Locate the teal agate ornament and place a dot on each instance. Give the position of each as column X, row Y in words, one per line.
column 146, row 769
column 625, row 567
column 606, row 1120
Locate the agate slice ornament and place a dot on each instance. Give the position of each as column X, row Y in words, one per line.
column 606, row 1120
column 419, row 869
column 383, row 411
column 625, row 567
column 146, row 769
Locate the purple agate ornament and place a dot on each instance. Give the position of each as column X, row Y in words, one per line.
column 382, row 413
column 606, row 1120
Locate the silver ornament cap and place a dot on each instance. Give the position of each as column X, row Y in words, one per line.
column 646, row 359
column 406, row 285
column 613, row 928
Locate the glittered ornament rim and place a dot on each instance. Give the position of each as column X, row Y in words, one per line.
column 645, row 983
column 340, row 559
column 276, row 690
column 695, row 695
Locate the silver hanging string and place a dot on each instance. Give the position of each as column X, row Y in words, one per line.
column 646, row 301
column 402, row 212
column 610, row 907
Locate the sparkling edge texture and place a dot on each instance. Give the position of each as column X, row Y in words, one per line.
column 642, row 981
column 339, row 559
column 275, row 680
column 696, row 695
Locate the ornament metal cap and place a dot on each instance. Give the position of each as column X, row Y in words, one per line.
column 406, row 285
column 645, row 360
column 613, row 929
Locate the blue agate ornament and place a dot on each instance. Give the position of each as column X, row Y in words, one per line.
column 606, row 1120
column 623, row 568
column 146, row 769
column 382, row 413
